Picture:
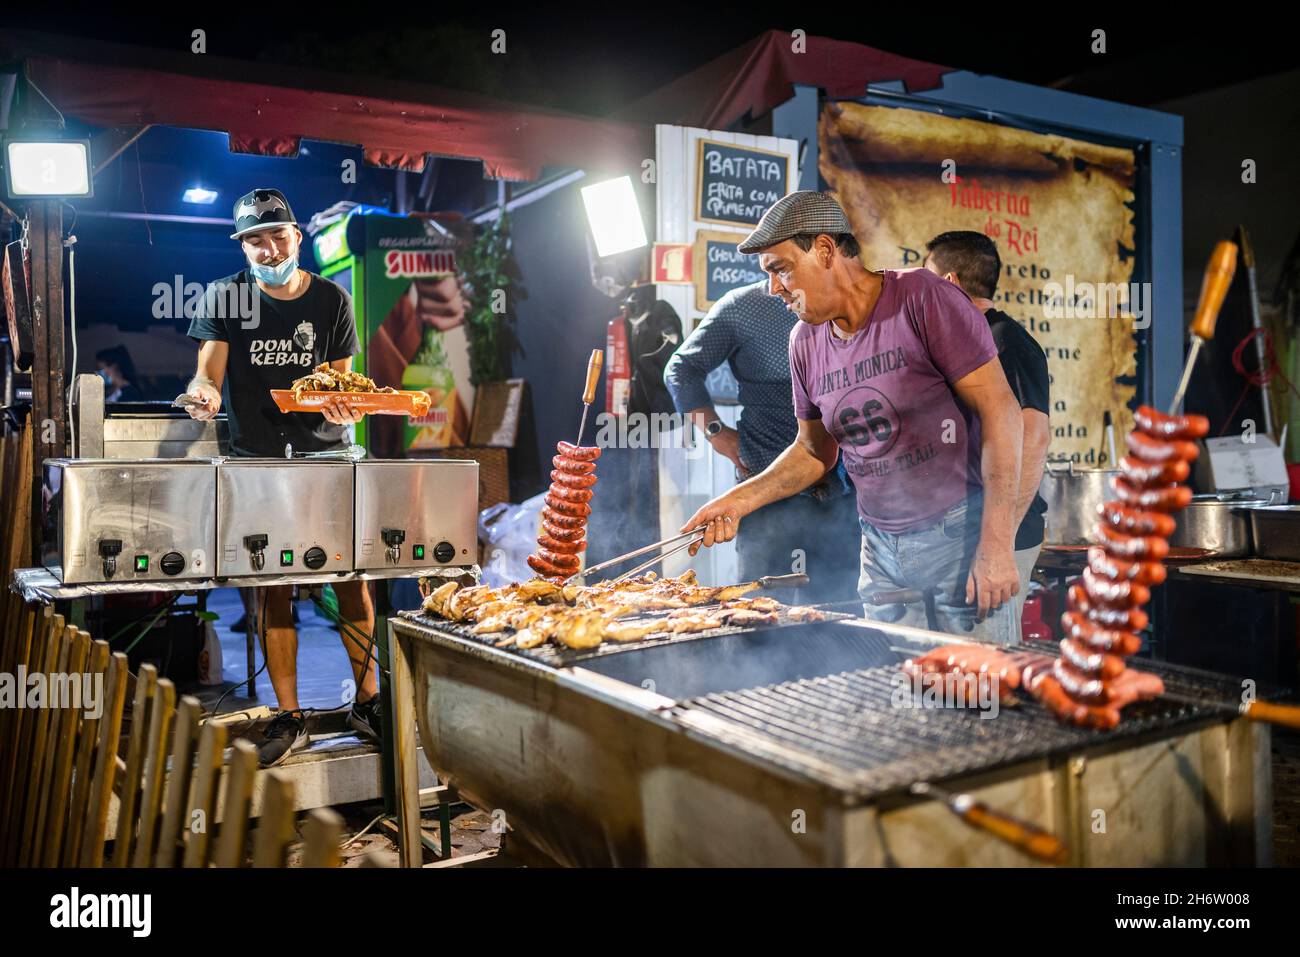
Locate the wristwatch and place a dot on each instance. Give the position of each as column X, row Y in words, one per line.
column 713, row 428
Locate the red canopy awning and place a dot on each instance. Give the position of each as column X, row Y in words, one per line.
column 754, row 78
column 105, row 85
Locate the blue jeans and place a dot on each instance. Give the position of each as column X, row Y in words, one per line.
column 936, row 558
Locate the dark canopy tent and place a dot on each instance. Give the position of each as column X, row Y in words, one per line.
column 754, row 78
column 115, row 86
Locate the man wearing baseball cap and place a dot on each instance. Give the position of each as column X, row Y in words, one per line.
column 896, row 370
column 258, row 330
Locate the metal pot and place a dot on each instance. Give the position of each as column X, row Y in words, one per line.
column 1215, row 526
column 1072, row 496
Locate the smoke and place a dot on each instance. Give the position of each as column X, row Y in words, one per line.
column 689, row 669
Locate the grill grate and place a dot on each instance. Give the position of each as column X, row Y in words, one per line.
column 559, row 657
column 847, row 720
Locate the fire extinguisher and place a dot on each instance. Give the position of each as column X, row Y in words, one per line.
column 618, row 368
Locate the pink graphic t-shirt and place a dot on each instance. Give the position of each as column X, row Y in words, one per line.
column 911, row 447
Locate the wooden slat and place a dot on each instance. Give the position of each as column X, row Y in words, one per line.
column 55, row 819
column 155, row 773
column 237, row 798
column 43, row 747
column 25, row 772
column 321, row 833
column 178, row 781
column 275, row 829
column 101, row 790
column 406, row 773
column 14, row 647
column 203, row 802
column 87, row 741
column 28, row 649
column 146, row 694
column 18, row 492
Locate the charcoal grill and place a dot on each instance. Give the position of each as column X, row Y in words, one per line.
column 780, row 746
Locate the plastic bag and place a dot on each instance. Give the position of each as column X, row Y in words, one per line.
column 510, row 536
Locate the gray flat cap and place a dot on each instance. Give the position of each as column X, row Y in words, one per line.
column 805, row 211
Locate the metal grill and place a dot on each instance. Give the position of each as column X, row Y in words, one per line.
column 848, row 721
column 559, row 657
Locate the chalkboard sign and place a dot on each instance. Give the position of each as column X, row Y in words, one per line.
column 736, row 184
column 718, row 267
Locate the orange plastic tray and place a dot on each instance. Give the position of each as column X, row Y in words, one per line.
column 372, row 403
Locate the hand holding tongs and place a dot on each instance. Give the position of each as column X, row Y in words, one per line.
column 691, row 537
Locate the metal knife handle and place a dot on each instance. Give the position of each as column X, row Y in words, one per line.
column 1033, row 840
column 1286, row 715
column 783, row 581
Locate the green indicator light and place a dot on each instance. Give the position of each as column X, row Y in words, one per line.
column 286, row 556
column 142, row 563
column 418, row 552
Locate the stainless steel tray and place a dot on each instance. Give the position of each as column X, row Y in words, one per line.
column 1276, row 531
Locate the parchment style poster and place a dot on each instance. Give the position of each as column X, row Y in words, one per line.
column 1059, row 211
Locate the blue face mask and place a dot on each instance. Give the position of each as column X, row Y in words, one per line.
column 276, row 275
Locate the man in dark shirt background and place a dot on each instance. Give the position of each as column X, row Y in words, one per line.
column 750, row 331
column 971, row 260
column 258, row 330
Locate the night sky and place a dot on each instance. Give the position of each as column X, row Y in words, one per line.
column 596, row 59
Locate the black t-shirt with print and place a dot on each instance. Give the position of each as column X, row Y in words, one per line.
column 272, row 342
column 1025, row 365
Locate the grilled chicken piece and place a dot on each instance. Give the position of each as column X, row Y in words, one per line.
column 804, row 613
column 692, row 622
column 633, row 630
column 529, row 638
column 728, row 592
column 581, row 629
column 536, row 590
column 748, row 617
column 436, row 604
column 762, row 603
column 464, row 604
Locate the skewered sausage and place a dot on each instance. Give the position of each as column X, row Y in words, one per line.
column 1089, row 684
column 572, row 465
column 569, row 480
column 565, row 507
column 582, row 453
column 564, row 515
column 561, row 546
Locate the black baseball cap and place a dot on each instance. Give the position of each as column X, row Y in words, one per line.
column 261, row 209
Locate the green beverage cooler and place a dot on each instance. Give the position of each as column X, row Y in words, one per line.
column 392, row 265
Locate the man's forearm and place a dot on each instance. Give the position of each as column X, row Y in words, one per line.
column 1000, row 469
column 789, row 474
column 1036, row 437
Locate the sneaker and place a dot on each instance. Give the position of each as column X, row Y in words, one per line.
column 286, row 733
column 367, row 718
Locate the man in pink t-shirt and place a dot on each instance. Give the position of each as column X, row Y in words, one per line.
column 897, row 370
